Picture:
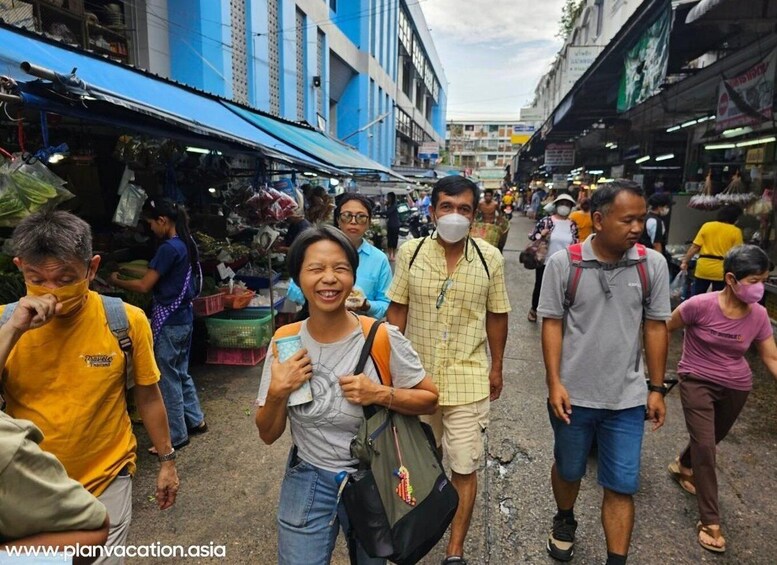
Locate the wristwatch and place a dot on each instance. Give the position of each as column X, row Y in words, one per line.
column 169, row 457
column 661, row 389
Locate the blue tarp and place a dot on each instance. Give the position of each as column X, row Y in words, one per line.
column 142, row 92
column 312, row 142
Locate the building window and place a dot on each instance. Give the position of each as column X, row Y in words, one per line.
column 599, row 16
column 333, row 5
column 407, row 77
column 320, row 49
column 469, row 127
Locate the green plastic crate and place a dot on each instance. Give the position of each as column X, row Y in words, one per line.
column 251, row 333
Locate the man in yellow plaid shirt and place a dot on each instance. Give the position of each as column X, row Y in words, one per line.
column 449, row 297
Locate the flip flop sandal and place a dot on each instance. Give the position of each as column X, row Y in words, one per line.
column 685, row 480
column 454, row 560
column 717, row 535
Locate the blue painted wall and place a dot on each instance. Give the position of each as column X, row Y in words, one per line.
column 352, row 21
column 287, row 41
column 200, row 46
column 258, row 69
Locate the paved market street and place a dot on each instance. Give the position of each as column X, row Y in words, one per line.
column 230, row 480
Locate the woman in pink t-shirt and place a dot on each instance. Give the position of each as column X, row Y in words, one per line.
column 715, row 378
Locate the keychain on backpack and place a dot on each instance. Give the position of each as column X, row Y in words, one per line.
column 404, row 488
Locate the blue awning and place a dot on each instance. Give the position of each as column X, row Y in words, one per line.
column 138, row 91
column 313, row 143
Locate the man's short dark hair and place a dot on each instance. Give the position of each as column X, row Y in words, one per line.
column 52, row 234
column 348, row 197
column 296, row 255
column 454, row 185
column 489, row 191
column 746, row 260
column 729, row 213
column 605, row 195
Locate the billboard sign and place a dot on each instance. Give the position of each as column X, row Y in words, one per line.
column 560, row 155
column 429, row 151
column 578, row 59
column 749, row 97
column 521, row 133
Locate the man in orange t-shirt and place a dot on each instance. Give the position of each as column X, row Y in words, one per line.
column 68, row 375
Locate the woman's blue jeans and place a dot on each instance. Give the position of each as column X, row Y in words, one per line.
column 306, row 529
column 171, row 350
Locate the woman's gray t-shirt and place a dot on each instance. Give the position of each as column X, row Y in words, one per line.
column 323, row 429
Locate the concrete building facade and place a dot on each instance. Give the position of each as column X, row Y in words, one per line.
column 365, row 71
column 479, row 145
column 597, row 24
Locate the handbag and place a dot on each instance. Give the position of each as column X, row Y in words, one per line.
column 534, row 254
column 399, row 501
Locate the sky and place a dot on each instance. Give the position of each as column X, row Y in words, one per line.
column 493, row 52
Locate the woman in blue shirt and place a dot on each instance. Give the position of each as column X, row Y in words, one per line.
column 171, row 276
column 353, row 215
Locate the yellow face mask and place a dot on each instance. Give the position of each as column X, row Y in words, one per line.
column 72, row 296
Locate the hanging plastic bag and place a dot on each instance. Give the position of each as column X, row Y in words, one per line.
column 677, row 289
column 130, row 206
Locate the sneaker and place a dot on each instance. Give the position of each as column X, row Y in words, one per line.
column 561, row 542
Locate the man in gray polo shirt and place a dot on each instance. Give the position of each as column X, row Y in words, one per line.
column 594, row 368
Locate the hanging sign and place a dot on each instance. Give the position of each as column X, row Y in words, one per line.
column 560, row 155
column 748, row 98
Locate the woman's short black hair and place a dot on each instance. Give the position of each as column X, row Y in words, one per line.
column 296, row 254
column 347, row 197
column 729, row 213
column 659, row 200
column 453, row 185
column 746, row 260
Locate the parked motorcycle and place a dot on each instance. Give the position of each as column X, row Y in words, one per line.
column 418, row 226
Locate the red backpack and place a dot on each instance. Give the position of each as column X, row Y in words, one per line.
column 577, row 264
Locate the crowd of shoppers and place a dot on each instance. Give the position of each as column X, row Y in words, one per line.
column 67, row 433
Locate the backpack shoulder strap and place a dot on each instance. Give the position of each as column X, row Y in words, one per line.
column 8, row 312
column 118, row 323
column 644, row 277
column 575, row 254
column 482, row 259
column 415, row 253
column 380, row 350
column 288, row 330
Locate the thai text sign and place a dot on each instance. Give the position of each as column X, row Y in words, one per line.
column 560, row 155
column 747, row 98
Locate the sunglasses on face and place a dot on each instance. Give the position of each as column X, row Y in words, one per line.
column 348, row 218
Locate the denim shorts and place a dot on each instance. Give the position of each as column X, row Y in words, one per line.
column 618, row 435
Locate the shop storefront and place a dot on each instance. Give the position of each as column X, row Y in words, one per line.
column 93, row 136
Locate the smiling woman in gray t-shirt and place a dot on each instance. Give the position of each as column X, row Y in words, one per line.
column 322, row 261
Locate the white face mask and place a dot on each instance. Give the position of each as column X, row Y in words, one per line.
column 563, row 211
column 452, row 227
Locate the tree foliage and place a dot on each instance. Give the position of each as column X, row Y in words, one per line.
column 569, row 14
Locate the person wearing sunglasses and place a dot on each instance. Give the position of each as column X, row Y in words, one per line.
column 353, row 215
